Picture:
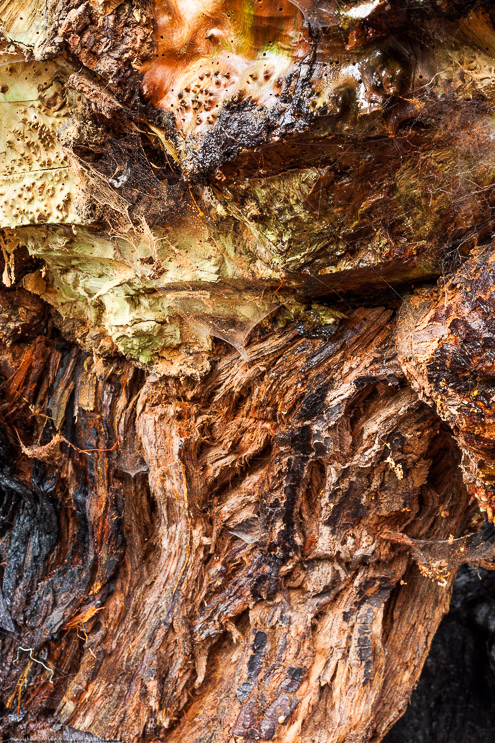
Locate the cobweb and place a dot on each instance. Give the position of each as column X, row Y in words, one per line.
column 228, row 315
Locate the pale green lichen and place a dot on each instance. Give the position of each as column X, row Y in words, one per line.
column 109, row 283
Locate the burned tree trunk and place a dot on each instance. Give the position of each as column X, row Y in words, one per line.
column 247, row 360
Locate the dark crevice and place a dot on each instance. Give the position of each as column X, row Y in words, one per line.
column 453, row 701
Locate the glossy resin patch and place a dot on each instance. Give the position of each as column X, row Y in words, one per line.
column 211, row 52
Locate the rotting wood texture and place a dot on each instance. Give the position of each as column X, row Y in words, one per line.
column 246, row 360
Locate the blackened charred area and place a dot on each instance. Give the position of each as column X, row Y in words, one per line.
column 348, row 509
column 256, row 659
column 297, row 447
column 240, row 126
column 132, row 177
column 28, row 523
column 245, row 126
column 451, row 366
column 313, row 405
column 280, row 512
column 454, row 697
column 58, row 555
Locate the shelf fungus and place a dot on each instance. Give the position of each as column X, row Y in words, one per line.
column 247, row 359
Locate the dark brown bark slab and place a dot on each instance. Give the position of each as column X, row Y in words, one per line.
column 446, row 345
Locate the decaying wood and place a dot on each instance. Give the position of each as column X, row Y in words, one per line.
column 256, row 595
column 246, row 362
column 447, row 348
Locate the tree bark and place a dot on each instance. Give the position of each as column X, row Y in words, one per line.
column 247, row 361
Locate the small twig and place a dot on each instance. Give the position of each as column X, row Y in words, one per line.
column 19, row 696
column 201, row 213
column 58, row 438
column 88, row 451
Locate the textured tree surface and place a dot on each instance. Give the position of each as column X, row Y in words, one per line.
column 247, row 361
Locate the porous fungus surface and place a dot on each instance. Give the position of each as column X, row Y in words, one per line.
column 250, row 155
column 37, row 183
